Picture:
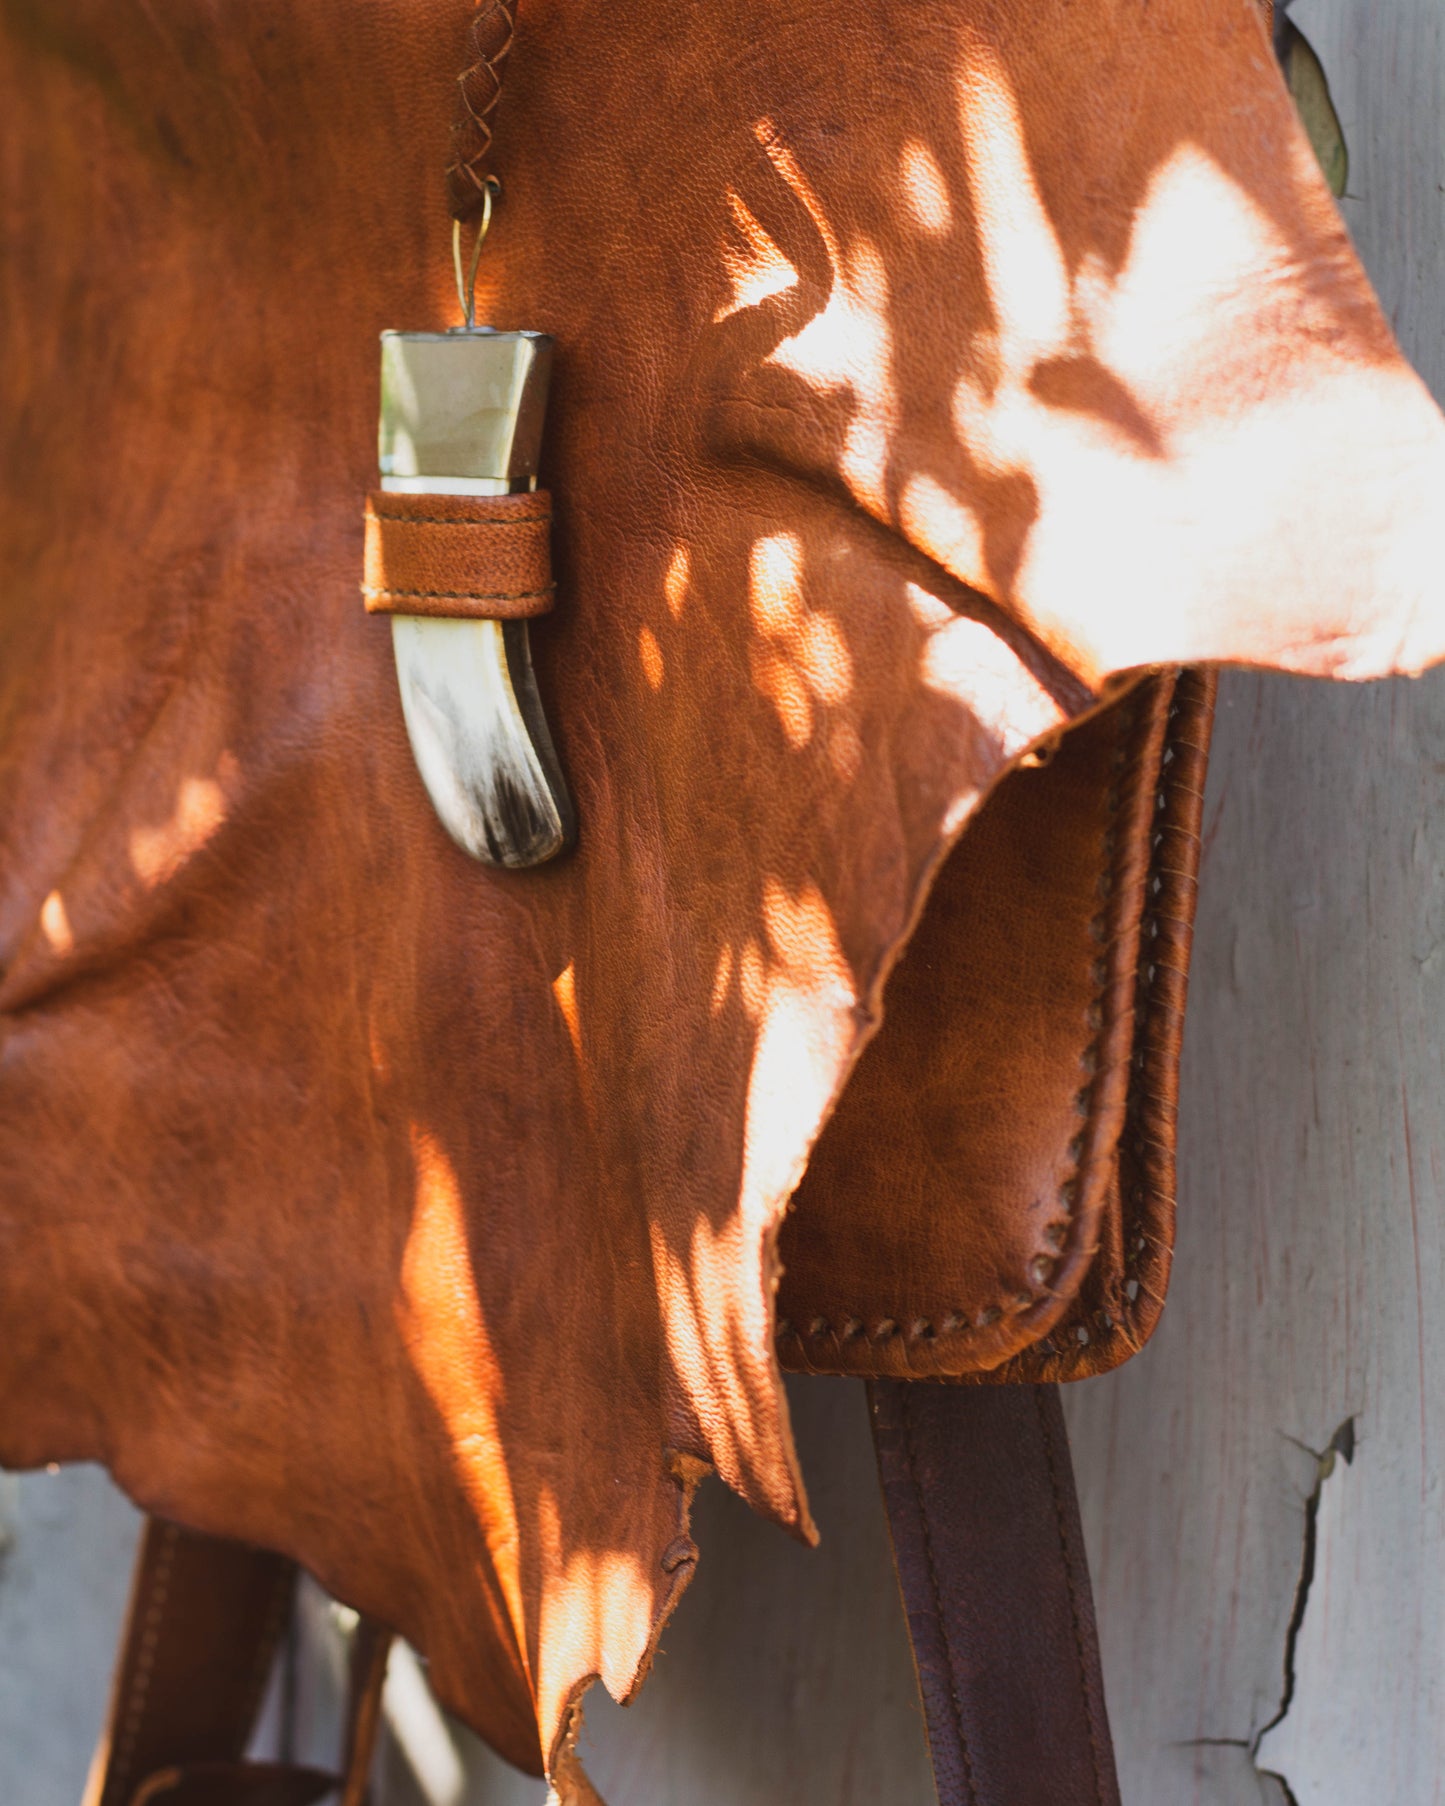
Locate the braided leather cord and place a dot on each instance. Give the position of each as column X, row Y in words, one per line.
column 479, row 88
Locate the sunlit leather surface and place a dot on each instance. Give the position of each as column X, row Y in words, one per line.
column 920, row 367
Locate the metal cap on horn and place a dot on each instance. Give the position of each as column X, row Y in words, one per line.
column 462, row 414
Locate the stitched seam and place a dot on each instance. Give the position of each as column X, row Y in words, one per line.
column 147, row 1647
column 435, row 520
column 853, row 1329
column 1171, row 834
column 1037, row 1360
column 1043, row 1357
column 955, row 1707
column 439, row 595
column 1148, row 996
column 1146, row 1008
column 923, row 1328
column 1085, row 1098
column 1059, row 1519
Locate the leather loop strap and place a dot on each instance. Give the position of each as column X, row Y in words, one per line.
column 235, row 1784
column 206, row 1619
column 479, row 556
column 990, row 1557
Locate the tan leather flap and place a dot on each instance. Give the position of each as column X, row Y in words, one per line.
column 997, row 1183
column 488, row 556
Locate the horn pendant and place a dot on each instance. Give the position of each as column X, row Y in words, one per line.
column 461, row 416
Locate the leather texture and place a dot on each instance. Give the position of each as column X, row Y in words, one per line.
column 1074, row 895
column 1120, row 1298
column 479, row 89
column 469, row 556
column 915, row 404
column 990, row 1556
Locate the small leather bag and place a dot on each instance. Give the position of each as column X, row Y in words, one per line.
column 938, row 391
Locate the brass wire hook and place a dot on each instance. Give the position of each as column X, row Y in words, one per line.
column 467, row 285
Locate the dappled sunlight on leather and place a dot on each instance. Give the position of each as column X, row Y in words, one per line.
column 675, row 583
column 798, row 990
column 845, row 346
column 55, row 923
column 158, row 853
column 963, row 658
column 592, row 1602
column 804, row 1027
column 1123, row 365
column 440, row 1318
column 755, row 265
column 799, row 658
column 925, row 193
column 419, row 1219
column 564, row 989
column 654, row 668
column 1022, row 261
column 708, row 1348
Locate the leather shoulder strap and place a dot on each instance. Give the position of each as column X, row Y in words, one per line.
column 990, row 1556
column 205, row 1622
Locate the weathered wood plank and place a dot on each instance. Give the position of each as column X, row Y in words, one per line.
column 66, row 1545
column 1311, row 1250
column 1312, row 1179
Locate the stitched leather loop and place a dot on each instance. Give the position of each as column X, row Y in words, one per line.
column 481, row 556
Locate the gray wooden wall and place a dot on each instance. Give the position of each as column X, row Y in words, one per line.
column 1311, row 1265
column 1307, row 1298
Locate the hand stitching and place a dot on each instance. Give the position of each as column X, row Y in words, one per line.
column 1069, row 1187
column 439, row 595
column 145, row 1663
column 436, row 520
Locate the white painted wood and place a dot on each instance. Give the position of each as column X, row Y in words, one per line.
column 66, row 1545
column 1311, row 1257
column 1307, row 1284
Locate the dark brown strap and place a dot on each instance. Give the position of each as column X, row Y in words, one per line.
column 206, row 1619
column 990, row 1554
column 370, row 1648
column 235, row 1784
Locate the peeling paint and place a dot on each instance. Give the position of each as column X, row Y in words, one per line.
column 1341, row 1446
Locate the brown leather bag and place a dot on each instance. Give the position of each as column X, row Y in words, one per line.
column 939, row 386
